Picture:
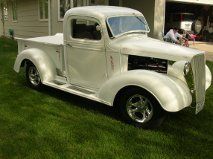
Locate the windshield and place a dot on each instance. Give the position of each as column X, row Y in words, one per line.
column 126, row 24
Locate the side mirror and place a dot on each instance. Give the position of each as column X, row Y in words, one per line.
column 98, row 28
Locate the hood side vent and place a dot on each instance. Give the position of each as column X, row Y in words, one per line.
column 147, row 63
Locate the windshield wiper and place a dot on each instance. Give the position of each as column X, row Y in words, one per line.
column 140, row 20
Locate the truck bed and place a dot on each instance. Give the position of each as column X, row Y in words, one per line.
column 51, row 45
column 56, row 39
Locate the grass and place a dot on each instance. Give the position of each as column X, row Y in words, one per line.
column 54, row 124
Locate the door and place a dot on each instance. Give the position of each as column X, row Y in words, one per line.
column 85, row 53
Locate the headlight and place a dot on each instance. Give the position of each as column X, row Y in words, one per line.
column 187, row 68
column 188, row 73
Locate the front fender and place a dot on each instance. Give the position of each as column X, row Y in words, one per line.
column 40, row 59
column 176, row 70
column 172, row 93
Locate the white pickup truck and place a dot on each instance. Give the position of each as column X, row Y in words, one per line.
column 105, row 55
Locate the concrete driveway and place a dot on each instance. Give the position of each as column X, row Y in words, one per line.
column 204, row 46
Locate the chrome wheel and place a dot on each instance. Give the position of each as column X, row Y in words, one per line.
column 139, row 108
column 34, row 76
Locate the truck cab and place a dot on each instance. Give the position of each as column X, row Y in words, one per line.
column 105, row 55
column 85, row 51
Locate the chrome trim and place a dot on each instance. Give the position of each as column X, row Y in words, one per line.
column 34, row 76
column 190, row 82
column 187, row 68
column 139, row 108
column 198, row 68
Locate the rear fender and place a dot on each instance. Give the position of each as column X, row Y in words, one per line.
column 172, row 93
column 41, row 60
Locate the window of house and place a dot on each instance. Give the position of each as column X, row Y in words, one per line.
column 105, row 2
column 78, row 3
column 114, row 2
column 65, row 5
column 85, row 29
column 98, row 2
column 43, row 9
column 14, row 10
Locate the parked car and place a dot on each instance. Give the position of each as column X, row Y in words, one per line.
column 105, row 55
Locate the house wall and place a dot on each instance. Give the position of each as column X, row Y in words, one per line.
column 28, row 23
column 56, row 23
column 159, row 19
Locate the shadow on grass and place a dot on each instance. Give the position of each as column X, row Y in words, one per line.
column 92, row 106
column 80, row 102
column 185, row 118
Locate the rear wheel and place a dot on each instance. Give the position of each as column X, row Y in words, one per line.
column 33, row 76
column 140, row 108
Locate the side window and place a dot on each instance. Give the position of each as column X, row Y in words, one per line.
column 85, row 29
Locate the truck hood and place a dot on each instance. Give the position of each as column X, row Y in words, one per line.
column 141, row 45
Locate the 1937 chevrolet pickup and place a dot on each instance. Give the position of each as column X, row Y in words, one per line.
column 105, row 55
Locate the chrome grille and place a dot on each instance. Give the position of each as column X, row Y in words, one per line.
column 198, row 68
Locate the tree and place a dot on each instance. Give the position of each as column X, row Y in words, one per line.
column 2, row 3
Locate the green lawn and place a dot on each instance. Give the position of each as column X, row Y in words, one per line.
column 54, row 124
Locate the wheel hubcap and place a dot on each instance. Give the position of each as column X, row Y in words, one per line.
column 34, row 76
column 139, row 108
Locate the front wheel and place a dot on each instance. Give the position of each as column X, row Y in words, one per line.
column 33, row 76
column 140, row 108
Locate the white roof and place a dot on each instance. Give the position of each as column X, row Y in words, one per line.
column 101, row 11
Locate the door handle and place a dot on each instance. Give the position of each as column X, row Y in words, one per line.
column 69, row 45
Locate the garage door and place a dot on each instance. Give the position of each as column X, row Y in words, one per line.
column 208, row 2
column 195, row 17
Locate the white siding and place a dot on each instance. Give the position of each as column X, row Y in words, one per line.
column 28, row 23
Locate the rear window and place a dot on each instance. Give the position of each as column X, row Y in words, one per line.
column 85, row 29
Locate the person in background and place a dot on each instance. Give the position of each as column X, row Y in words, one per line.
column 176, row 36
column 183, row 39
column 191, row 36
column 172, row 36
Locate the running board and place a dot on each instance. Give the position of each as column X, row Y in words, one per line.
column 75, row 90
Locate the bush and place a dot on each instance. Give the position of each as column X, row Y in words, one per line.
column 7, row 44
